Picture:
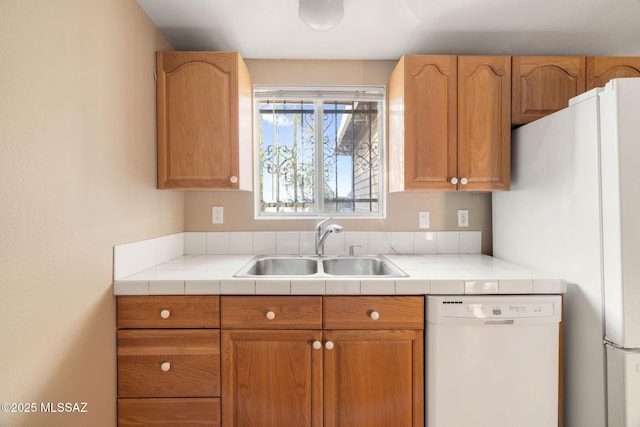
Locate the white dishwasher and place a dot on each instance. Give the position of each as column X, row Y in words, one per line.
column 492, row 361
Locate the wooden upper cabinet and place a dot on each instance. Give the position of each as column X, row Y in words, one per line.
column 544, row 84
column 601, row 69
column 204, row 121
column 449, row 123
column 484, row 122
column 422, row 123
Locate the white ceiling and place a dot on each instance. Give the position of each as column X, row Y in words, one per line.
column 387, row 29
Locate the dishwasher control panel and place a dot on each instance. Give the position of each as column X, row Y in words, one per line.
column 484, row 311
column 529, row 307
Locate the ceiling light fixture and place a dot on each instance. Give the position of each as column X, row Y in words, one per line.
column 321, row 15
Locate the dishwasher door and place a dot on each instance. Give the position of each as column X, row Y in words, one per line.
column 493, row 361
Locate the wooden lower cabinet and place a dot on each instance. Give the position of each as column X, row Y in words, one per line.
column 263, row 361
column 374, row 378
column 359, row 373
column 168, row 361
column 272, row 378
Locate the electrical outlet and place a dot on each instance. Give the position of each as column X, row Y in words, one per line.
column 463, row 218
column 217, row 215
column 423, row 220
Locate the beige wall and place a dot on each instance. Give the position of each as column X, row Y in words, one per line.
column 77, row 173
column 402, row 208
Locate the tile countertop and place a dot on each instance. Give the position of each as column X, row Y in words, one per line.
column 427, row 274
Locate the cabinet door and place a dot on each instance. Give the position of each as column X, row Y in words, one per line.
column 272, row 378
column 198, row 107
column 484, row 122
column 601, row 69
column 544, row 84
column 422, row 134
column 374, row 378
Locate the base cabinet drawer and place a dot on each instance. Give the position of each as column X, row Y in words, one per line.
column 373, row 312
column 185, row 412
column 168, row 363
column 269, row 312
column 168, row 312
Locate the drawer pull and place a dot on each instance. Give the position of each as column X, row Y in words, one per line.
column 165, row 366
column 374, row 315
column 233, row 179
column 317, row 345
column 270, row 315
column 165, row 314
column 328, row 345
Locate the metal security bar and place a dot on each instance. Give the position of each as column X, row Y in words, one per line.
column 319, row 156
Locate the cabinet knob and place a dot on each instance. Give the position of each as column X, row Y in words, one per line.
column 233, row 179
column 464, row 181
column 328, row 345
column 317, row 345
column 270, row 315
column 165, row 314
column 165, row 366
column 374, row 315
column 454, row 180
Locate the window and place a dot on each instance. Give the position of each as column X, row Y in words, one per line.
column 320, row 151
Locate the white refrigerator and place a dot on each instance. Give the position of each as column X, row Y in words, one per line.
column 574, row 211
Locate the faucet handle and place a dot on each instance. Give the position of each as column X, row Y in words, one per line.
column 319, row 225
column 351, row 247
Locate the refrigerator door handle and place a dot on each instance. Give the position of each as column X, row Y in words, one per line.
column 614, row 345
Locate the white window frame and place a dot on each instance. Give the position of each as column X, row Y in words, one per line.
column 319, row 94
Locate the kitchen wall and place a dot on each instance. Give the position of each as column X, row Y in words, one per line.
column 402, row 208
column 78, row 174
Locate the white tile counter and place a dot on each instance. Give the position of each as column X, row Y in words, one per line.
column 454, row 274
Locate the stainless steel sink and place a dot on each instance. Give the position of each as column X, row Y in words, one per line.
column 360, row 266
column 307, row 266
column 276, row 266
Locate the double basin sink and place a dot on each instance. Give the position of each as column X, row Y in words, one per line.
column 313, row 266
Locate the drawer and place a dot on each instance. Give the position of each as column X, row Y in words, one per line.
column 168, row 311
column 201, row 412
column 351, row 312
column 271, row 312
column 168, row 363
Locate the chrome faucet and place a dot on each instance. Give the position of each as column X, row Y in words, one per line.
column 323, row 233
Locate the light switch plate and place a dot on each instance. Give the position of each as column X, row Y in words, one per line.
column 424, row 220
